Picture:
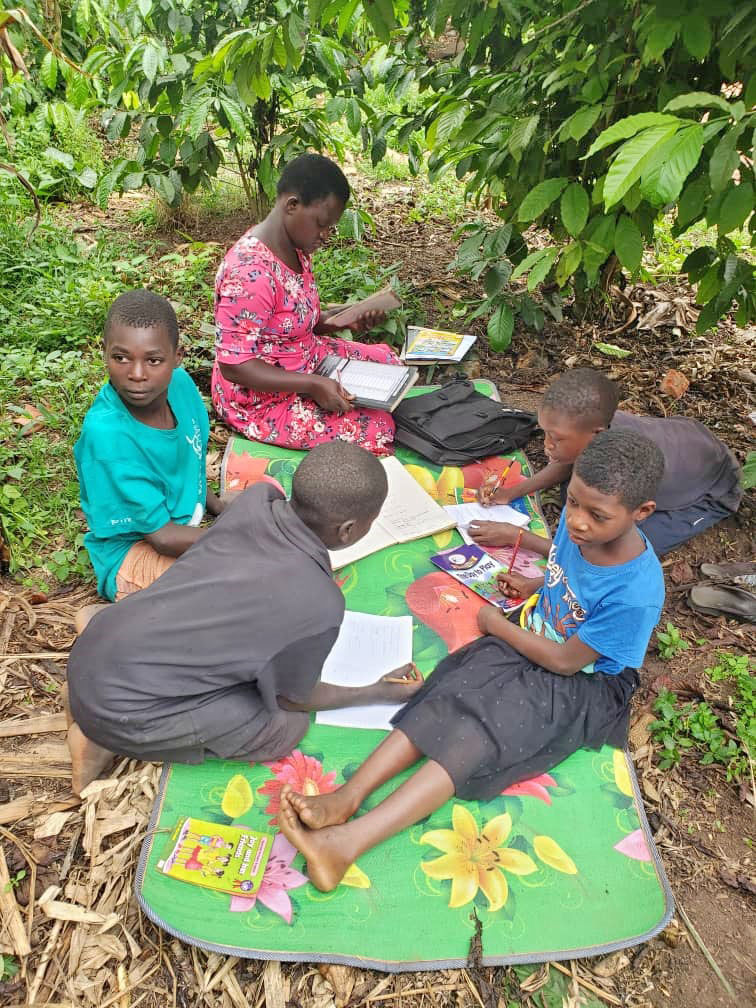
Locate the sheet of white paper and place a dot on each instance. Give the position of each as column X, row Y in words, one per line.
column 367, row 647
column 463, row 514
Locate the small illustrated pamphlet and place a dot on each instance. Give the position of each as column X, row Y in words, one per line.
column 435, row 345
column 229, row 859
column 474, row 568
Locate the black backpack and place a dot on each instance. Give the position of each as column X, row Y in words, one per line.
column 456, row 425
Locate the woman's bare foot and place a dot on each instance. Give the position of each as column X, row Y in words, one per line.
column 323, row 849
column 317, row 811
column 88, row 760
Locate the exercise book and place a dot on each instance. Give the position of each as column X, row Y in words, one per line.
column 577, row 870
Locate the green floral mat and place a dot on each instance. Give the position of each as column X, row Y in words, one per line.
column 576, row 870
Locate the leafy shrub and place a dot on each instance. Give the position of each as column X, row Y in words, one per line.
column 590, row 120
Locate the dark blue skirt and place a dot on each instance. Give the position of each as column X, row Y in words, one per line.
column 491, row 718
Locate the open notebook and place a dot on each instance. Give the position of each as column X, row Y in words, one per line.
column 408, row 513
column 375, row 385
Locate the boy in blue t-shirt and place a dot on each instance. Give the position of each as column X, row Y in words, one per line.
column 141, row 453
column 519, row 700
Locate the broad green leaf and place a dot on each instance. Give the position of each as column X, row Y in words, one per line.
column 134, row 180
column 55, row 156
column 708, row 316
column 569, row 261
column 736, row 206
column 696, row 35
column 628, row 243
column 540, row 198
column 574, row 207
column 452, row 117
column 539, row 272
column 660, row 38
column 698, row 261
column 635, row 157
column 597, row 245
column 629, row 127
column 380, row 14
column 88, row 178
column 500, row 328
column 116, row 127
column 676, row 160
column 48, row 70
column 521, row 134
column 749, row 95
column 724, row 160
column 710, row 285
column 494, row 280
column 145, row 6
column 580, row 122
column 345, row 16
column 612, row 350
column 295, row 30
column 163, row 187
column 527, row 263
column 698, row 99
column 150, row 60
column 691, row 203
column 353, row 116
column 235, row 116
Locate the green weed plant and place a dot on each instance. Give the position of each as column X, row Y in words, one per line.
column 670, row 643
column 698, row 729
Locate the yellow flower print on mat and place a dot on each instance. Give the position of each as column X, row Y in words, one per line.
column 476, row 859
column 237, row 798
column 551, row 853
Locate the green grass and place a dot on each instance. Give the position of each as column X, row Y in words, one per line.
column 669, row 252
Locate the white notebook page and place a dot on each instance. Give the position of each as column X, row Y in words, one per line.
column 367, row 648
column 408, row 513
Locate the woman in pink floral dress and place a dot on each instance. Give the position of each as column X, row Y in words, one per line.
column 271, row 334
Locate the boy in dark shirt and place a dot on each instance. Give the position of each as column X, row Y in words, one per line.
column 222, row 655
column 701, row 484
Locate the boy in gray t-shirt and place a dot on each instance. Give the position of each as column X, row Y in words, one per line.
column 701, row 484
column 222, row 655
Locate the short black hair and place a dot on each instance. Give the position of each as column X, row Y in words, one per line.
column 627, row 465
column 142, row 309
column 337, row 481
column 585, row 396
column 313, row 177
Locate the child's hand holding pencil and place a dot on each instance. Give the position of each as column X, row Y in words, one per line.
column 492, row 489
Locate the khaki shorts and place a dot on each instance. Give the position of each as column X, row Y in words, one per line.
column 141, row 567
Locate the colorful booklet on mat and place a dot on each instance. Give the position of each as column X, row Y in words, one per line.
column 229, row 859
column 375, row 385
column 475, row 569
column 429, row 346
column 408, row 513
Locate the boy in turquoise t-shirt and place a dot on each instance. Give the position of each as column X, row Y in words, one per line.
column 141, row 453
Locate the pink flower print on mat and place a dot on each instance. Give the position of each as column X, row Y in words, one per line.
column 634, row 846
column 534, row 786
column 303, row 773
column 279, row 877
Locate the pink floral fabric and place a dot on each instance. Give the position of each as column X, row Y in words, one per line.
column 265, row 311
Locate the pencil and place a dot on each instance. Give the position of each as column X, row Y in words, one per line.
column 513, row 561
column 415, row 675
column 500, row 479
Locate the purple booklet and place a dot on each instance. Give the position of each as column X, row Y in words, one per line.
column 473, row 567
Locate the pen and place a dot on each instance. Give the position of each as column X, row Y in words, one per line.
column 513, row 561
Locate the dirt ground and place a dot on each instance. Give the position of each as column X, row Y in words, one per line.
column 85, row 853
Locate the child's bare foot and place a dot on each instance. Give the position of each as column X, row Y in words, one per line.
column 85, row 614
column 323, row 849
column 317, row 811
column 88, row 760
